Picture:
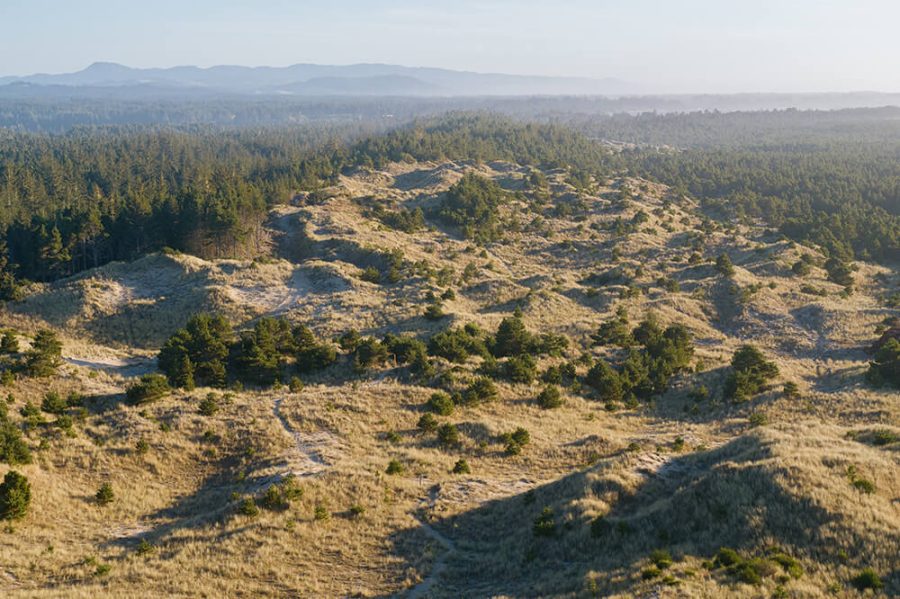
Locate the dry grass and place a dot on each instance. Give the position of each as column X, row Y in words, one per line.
column 785, row 483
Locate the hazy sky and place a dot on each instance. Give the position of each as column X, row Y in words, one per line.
column 663, row 45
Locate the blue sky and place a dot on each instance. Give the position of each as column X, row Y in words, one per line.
column 664, row 45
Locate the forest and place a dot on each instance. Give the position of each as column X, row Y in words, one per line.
column 91, row 195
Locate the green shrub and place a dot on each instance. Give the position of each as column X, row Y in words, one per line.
column 295, row 385
column 149, row 388
column 448, row 435
column 440, row 403
column 369, row 353
column 521, row 369
column 727, row 557
column 461, row 467
column 750, row 371
column 144, row 547
column 791, row 390
column 434, row 312
column 724, row 265
column 9, row 344
column 15, row 496
column 515, row 441
column 428, row 423
column 205, row 341
column 104, row 494
column 394, row 467
column 867, row 579
column 45, row 355
column 321, row 512
column 480, row 390
column 472, row 205
column 800, row 268
column 885, row 366
column 758, row 419
column 209, row 405
column 605, row 381
column 13, row 449
column 545, row 524
column 661, row 558
column 247, row 507
column 550, row 398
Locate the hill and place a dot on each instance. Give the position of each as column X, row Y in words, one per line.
column 344, row 487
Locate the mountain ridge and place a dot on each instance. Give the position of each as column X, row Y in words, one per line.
column 288, row 79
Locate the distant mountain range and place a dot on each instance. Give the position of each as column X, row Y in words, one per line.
column 311, row 80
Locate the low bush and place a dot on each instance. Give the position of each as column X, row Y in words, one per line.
column 149, row 388
column 550, row 398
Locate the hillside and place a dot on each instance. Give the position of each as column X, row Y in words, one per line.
column 356, row 494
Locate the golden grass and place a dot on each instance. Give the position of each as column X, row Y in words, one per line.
column 179, row 494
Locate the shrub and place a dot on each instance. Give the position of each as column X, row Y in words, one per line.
column 394, row 467
column 104, row 494
column 142, row 447
column 53, row 403
column 370, row 274
column 428, row 423
column 144, row 547
column 149, row 388
column 515, row 441
column 727, row 557
column 209, row 405
column 9, row 344
column 204, row 341
column 885, row 366
column 434, row 312
column 521, row 369
column 321, row 512
column 791, row 390
column 605, row 381
column 440, row 403
column 13, row 449
column 369, row 353
column 45, row 355
column 839, row 272
column 461, row 467
column 758, row 419
column 867, row 579
column 456, row 345
column 550, row 398
column 544, row 524
column 472, row 205
column 512, row 339
column 661, row 558
column 448, row 435
column 247, row 507
column 800, row 268
column 480, row 390
column 295, row 385
column 615, row 331
column 750, row 371
column 313, row 354
column 15, row 496
column 724, row 265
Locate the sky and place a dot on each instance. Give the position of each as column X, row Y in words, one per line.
column 660, row 45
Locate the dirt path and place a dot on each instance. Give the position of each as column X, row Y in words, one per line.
column 125, row 367
column 311, row 463
column 440, row 563
column 309, row 450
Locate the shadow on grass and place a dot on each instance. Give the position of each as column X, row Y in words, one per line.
column 693, row 505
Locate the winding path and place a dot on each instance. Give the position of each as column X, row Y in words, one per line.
column 315, row 465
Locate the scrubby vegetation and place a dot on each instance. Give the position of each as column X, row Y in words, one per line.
column 526, row 354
